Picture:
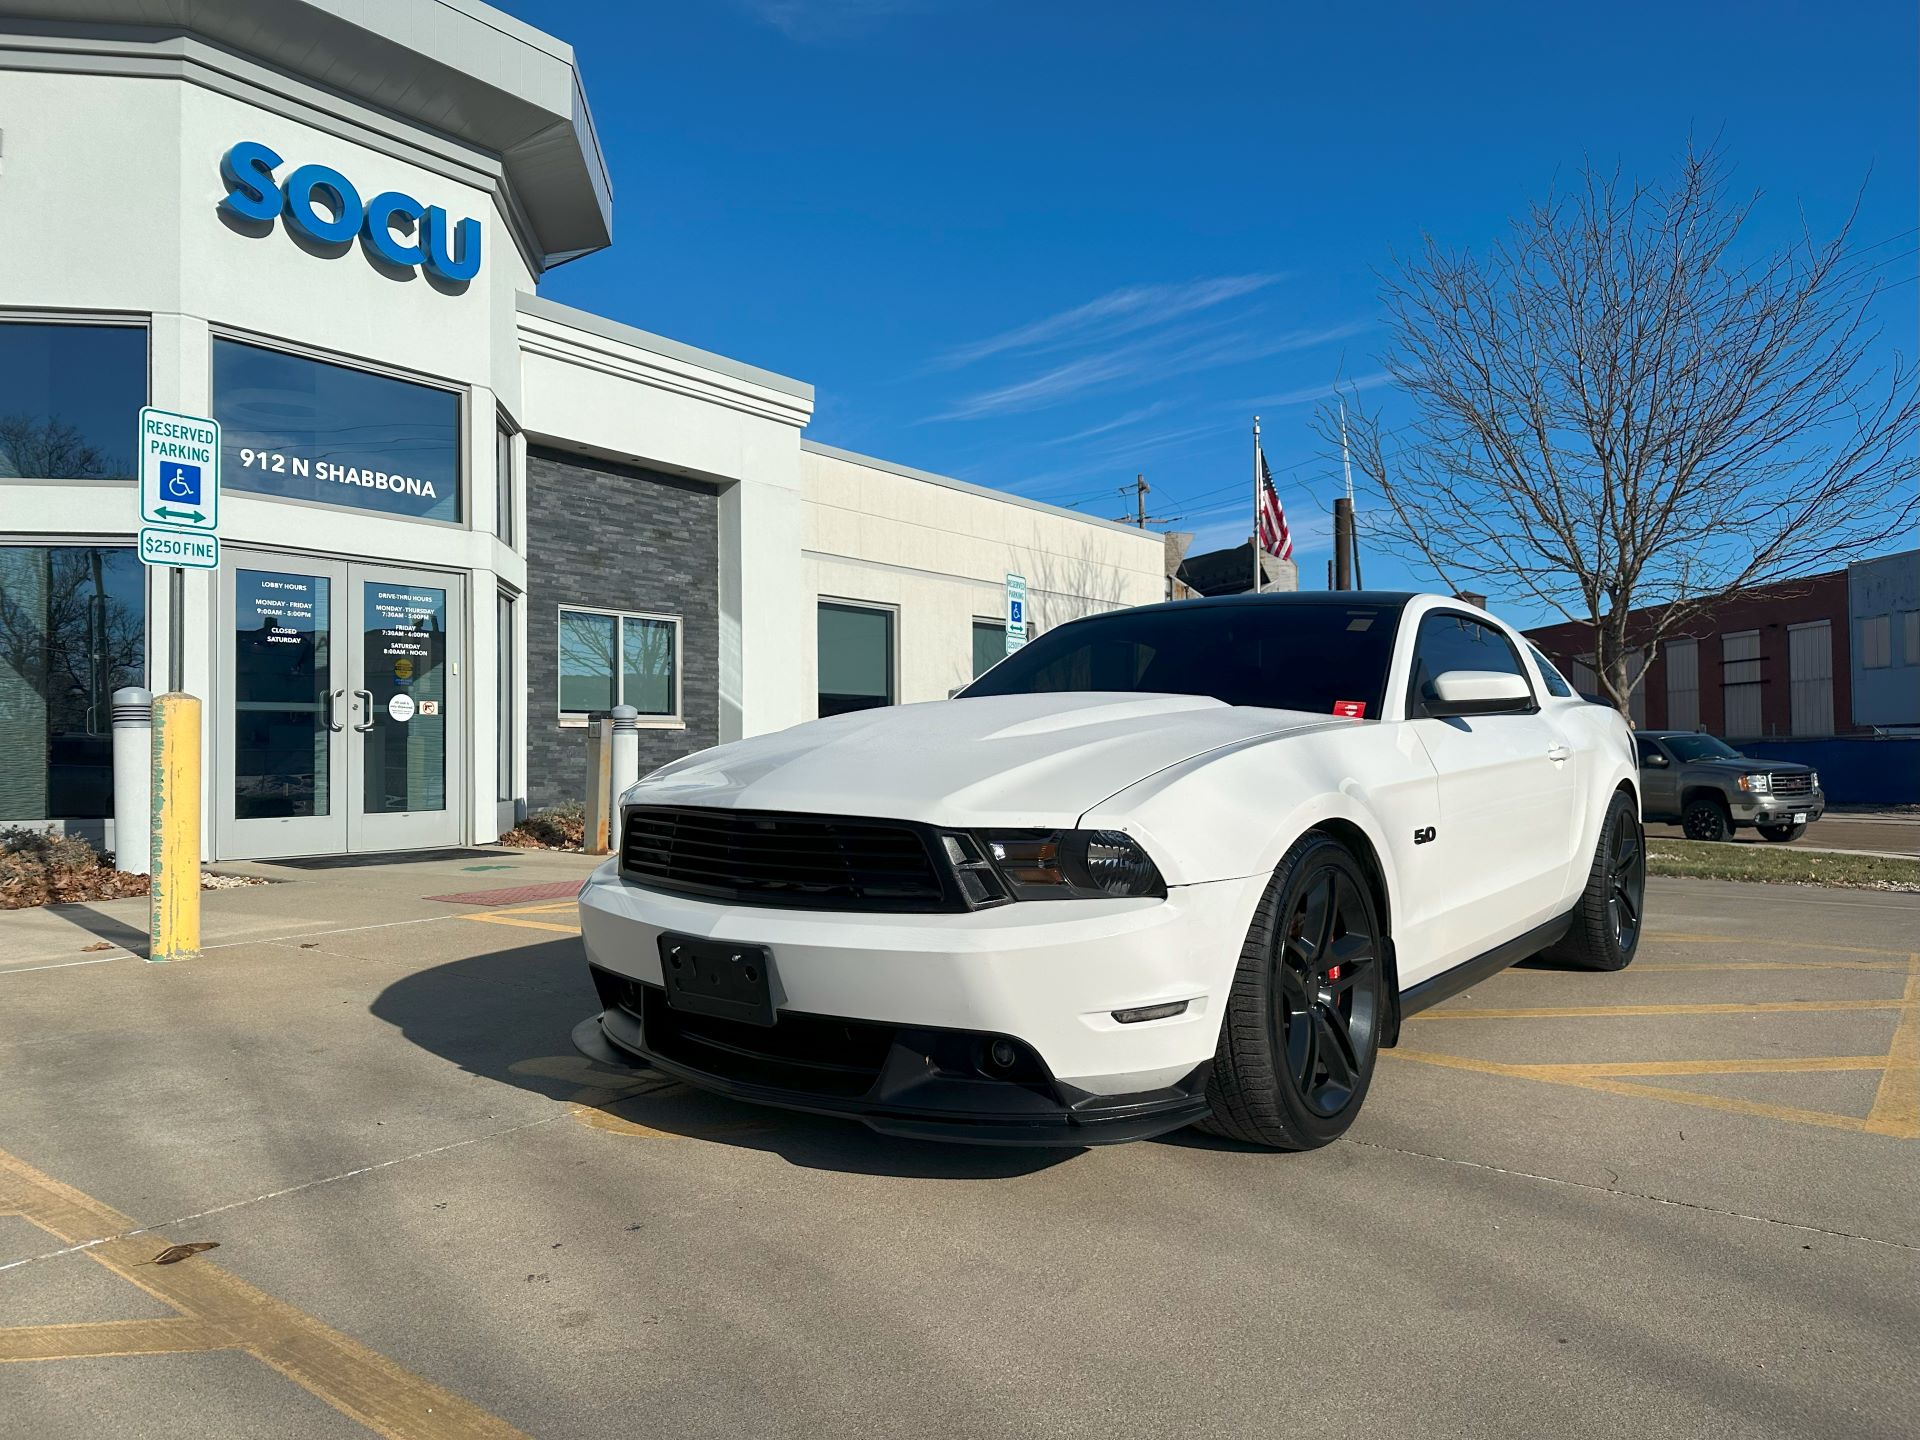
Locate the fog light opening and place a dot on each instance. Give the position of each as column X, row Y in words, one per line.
column 1151, row 1012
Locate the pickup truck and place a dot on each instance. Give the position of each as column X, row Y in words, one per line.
column 1704, row 784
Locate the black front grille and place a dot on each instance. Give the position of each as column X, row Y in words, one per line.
column 824, row 862
column 1792, row 784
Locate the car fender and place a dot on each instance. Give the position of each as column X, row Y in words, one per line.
column 1232, row 814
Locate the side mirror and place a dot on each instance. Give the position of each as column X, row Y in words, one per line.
column 1476, row 692
column 1655, row 759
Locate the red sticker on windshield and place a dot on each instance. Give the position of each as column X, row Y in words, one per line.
column 1350, row 709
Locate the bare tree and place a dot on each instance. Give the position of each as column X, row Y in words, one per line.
column 1627, row 404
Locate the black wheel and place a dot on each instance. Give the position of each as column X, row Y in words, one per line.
column 1781, row 834
column 1606, row 924
column 1302, row 1025
column 1707, row 819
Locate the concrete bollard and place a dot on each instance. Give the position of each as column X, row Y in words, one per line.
column 599, row 783
column 132, row 779
column 173, row 912
column 626, row 756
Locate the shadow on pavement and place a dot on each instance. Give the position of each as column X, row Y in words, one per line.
column 509, row 1015
column 103, row 927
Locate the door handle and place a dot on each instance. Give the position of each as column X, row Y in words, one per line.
column 327, row 697
column 1557, row 752
column 366, row 698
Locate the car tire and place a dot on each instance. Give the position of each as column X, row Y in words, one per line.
column 1301, row 1030
column 1707, row 819
column 1781, row 834
column 1608, row 920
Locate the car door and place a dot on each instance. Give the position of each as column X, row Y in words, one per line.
column 1659, row 778
column 1503, row 840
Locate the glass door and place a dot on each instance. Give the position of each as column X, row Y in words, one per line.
column 283, row 749
column 344, row 723
column 407, row 718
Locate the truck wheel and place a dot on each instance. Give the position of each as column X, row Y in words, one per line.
column 1707, row 819
column 1606, row 924
column 1301, row 1030
column 1781, row 834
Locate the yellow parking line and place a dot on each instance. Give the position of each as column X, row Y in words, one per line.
column 230, row 1314
column 1896, row 1105
column 1556, row 1075
column 1813, row 1064
column 1770, row 940
column 1641, row 969
column 1583, row 1012
column 101, row 1338
column 525, row 924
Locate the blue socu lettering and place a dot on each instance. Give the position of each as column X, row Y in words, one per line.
column 396, row 227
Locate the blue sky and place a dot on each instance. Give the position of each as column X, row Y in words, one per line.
column 1043, row 246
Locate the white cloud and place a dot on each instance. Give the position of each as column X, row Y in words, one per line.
column 1321, row 392
column 1158, row 357
column 1120, row 312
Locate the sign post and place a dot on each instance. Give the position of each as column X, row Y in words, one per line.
column 180, row 521
column 1016, row 612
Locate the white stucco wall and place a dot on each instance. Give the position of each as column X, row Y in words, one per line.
column 938, row 551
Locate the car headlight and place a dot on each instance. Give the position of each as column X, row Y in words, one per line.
column 1072, row 864
column 1757, row 784
column 1813, row 779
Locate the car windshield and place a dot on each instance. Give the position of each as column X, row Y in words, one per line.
column 1325, row 658
column 1701, row 747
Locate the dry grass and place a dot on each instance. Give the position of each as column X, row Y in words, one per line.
column 1780, row 865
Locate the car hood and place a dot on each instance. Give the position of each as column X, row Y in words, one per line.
column 1012, row 760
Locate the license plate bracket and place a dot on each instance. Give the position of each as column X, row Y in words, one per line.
column 714, row 977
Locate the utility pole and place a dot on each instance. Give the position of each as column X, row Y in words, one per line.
column 1140, row 488
column 1342, row 543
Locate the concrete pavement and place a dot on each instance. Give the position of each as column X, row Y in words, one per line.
column 1673, row 1201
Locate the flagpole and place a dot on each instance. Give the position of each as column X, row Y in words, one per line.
column 1255, row 545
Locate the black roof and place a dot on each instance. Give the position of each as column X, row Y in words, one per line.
column 1384, row 599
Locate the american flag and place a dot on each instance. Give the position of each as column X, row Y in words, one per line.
column 1275, row 538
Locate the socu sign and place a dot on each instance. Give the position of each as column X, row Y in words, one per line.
column 395, row 226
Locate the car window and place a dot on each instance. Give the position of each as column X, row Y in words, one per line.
column 1447, row 641
column 1649, row 749
column 1701, row 747
column 1324, row 658
column 1555, row 682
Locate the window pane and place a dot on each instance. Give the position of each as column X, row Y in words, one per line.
column 503, row 484
column 1556, row 684
column 281, row 671
column 72, row 631
column 586, row 662
column 856, row 658
column 70, row 397
column 308, row 430
column 1455, row 642
column 989, row 645
column 405, row 647
column 647, row 659
column 506, row 722
column 1292, row 657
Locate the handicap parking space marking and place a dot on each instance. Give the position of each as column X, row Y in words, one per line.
column 604, row 1089
column 1895, row 1111
column 218, row 1311
column 517, row 916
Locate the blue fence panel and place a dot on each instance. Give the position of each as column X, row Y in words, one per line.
column 1854, row 770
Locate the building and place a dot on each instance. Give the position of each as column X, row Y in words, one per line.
column 458, row 518
column 1230, row 572
column 1825, row 669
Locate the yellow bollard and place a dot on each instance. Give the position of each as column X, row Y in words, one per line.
column 173, row 930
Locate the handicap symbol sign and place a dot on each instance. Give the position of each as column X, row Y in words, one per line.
column 180, row 484
column 1016, row 615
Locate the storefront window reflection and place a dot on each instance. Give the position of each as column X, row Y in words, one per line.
column 72, row 631
column 309, row 430
column 69, row 395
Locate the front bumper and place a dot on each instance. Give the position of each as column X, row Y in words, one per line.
column 885, row 1017
column 1777, row 809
